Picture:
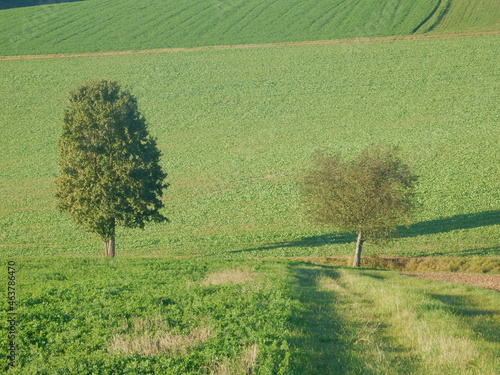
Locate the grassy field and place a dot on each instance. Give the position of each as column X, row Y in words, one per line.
column 237, row 127
column 461, row 15
column 106, row 25
column 210, row 292
column 207, row 316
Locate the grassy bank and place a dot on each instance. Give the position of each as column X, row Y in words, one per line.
column 481, row 265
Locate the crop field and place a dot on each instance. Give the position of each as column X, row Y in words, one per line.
column 209, row 316
column 239, row 281
column 460, row 15
column 107, row 25
column 237, row 127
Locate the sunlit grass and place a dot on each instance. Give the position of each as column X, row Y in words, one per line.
column 238, row 127
column 106, row 25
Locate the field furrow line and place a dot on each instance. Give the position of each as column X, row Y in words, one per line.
column 441, row 15
column 256, row 45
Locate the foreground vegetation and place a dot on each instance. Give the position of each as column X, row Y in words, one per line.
column 207, row 316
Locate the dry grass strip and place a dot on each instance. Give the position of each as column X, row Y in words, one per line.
column 245, row 46
column 230, row 276
column 152, row 337
column 238, row 365
column 488, row 281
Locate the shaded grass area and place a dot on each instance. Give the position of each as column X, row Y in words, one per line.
column 456, row 222
column 376, row 322
column 9, row 4
column 330, row 341
column 319, row 345
column 306, row 242
column 485, row 320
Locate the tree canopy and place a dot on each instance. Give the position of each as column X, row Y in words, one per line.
column 109, row 164
column 368, row 195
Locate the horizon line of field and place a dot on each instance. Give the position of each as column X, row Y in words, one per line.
column 394, row 38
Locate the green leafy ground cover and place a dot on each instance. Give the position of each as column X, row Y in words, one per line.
column 107, row 25
column 208, row 316
column 237, row 127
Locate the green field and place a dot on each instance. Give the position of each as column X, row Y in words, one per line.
column 106, row 25
column 237, row 127
column 463, row 15
column 207, row 316
column 210, row 292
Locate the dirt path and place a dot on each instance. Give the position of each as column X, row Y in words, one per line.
column 489, row 281
column 244, row 46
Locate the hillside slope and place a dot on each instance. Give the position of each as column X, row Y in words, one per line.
column 106, row 25
column 462, row 15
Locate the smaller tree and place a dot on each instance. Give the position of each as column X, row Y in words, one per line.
column 109, row 165
column 369, row 195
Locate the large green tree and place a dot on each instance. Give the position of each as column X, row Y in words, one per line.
column 368, row 195
column 109, row 165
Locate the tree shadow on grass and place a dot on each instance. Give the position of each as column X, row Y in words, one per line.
column 484, row 322
column 466, row 221
column 313, row 241
column 448, row 224
column 318, row 345
column 323, row 342
column 9, row 4
column 480, row 251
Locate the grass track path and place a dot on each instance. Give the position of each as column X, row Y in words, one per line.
column 378, row 322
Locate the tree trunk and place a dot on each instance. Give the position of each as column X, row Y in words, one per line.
column 109, row 240
column 109, row 247
column 359, row 247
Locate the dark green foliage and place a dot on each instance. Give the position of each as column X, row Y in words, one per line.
column 8, row 4
column 370, row 194
column 109, row 164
